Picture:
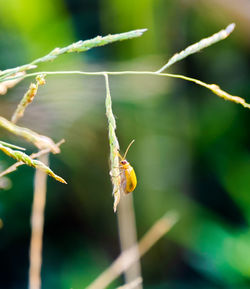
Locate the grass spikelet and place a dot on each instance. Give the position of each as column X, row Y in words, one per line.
column 21, row 156
column 27, row 98
column 199, row 46
column 79, row 46
column 114, row 147
column 223, row 94
column 38, row 140
column 14, row 167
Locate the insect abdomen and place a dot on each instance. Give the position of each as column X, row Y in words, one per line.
column 131, row 180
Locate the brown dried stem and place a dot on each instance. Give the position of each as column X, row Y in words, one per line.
column 37, row 222
column 132, row 285
column 127, row 258
column 128, row 237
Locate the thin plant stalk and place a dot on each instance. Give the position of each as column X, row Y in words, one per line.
column 212, row 87
column 128, row 237
column 131, row 285
column 127, row 258
column 6, row 144
column 37, row 224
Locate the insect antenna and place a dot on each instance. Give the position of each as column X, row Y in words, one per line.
column 128, row 149
column 119, row 155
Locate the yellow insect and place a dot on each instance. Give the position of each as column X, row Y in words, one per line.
column 128, row 176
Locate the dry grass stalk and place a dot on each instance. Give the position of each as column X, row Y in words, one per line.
column 127, row 258
column 37, row 223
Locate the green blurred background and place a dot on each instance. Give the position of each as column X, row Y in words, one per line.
column 191, row 151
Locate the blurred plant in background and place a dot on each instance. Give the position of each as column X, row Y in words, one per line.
column 191, row 148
